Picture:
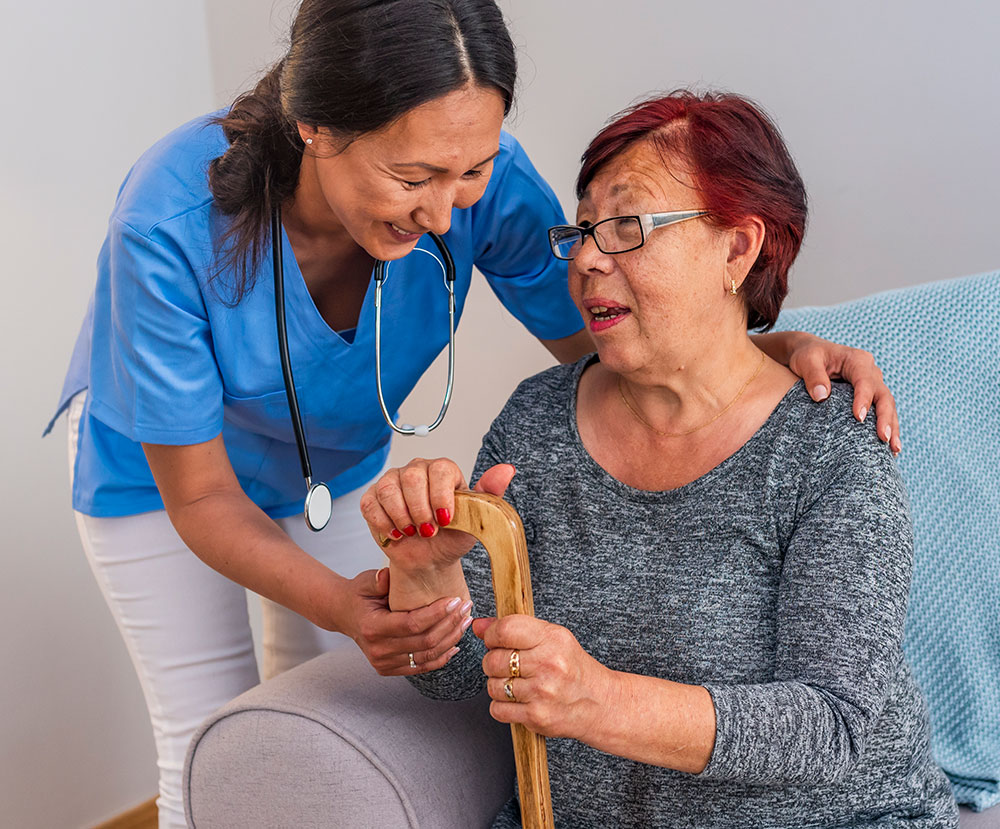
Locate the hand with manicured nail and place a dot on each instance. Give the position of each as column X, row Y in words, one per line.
column 417, row 500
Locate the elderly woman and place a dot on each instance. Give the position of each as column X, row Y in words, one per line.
column 720, row 566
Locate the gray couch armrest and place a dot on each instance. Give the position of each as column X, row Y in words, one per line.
column 331, row 743
column 990, row 819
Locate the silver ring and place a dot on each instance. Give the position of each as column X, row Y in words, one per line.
column 508, row 689
column 412, row 663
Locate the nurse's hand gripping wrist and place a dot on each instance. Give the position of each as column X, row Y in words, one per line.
column 226, row 530
column 389, row 640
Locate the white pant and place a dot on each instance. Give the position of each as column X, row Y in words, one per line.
column 187, row 627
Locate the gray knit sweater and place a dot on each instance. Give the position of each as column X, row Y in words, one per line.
column 778, row 581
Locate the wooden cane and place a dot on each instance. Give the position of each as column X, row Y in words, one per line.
column 497, row 526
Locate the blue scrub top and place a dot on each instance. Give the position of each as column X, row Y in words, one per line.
column 166, row 360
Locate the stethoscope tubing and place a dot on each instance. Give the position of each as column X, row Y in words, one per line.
column 286, row 362
column 381, row 272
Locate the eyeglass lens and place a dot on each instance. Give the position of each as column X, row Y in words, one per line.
column 615, row 235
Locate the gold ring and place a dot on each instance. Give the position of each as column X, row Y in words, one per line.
column 412, row 663
column 508, row 689
column 384, row 542
column 515, row 664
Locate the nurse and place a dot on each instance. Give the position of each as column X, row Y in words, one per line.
column 383, row 122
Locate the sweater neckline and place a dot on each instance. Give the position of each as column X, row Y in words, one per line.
column 597, row 472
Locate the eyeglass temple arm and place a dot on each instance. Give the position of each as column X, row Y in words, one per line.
column 497, row 526
column 651, row 221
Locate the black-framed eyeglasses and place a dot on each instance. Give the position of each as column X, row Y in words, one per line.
column 618, row 234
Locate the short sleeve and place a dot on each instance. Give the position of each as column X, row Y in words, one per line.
column 510, row 225
column 154, row 377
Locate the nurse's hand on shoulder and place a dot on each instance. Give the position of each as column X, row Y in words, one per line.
column 817, row 361
column 389, row 639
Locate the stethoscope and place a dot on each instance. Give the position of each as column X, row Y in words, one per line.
column 319, row 499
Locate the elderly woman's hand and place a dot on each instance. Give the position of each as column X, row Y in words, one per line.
column 816, row 361
column 407, row 506
column 405, row 509
column 557, row 689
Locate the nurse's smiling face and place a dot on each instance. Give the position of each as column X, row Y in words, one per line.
column 387, row 188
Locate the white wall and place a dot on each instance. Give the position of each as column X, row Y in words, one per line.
column 87, row 87
column 892, row 110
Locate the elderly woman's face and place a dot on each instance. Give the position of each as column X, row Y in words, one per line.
column 665, row 297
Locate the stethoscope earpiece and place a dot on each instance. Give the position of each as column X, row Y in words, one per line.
column 319, row 499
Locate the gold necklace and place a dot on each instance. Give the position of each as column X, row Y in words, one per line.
column 729, row 405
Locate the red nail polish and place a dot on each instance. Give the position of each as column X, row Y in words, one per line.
column 396, row 534
column 427, row 530
column 410, row 530
column 444, row 517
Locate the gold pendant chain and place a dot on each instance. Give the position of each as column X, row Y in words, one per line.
column 729, row 405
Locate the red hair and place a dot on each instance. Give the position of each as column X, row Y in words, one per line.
column 741, row 167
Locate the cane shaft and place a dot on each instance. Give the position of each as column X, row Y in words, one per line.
column 497, row 526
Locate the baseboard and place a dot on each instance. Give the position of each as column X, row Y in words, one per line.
column 143, row 816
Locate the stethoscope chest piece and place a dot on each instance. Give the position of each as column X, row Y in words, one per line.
column 319, row 507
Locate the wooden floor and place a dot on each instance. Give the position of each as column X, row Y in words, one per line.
column 143, row 816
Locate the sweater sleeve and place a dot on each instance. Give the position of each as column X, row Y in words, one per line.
column 841, row 606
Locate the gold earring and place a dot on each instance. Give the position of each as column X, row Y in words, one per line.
column 732, row 289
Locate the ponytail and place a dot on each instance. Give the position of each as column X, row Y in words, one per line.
column 256, row 174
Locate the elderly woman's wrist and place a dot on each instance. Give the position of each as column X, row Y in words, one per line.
column 614, row 700
column 415, row 587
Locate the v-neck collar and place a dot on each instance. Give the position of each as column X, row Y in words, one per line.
column 321, row 337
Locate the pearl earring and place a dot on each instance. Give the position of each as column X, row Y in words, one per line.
column 309, row 141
